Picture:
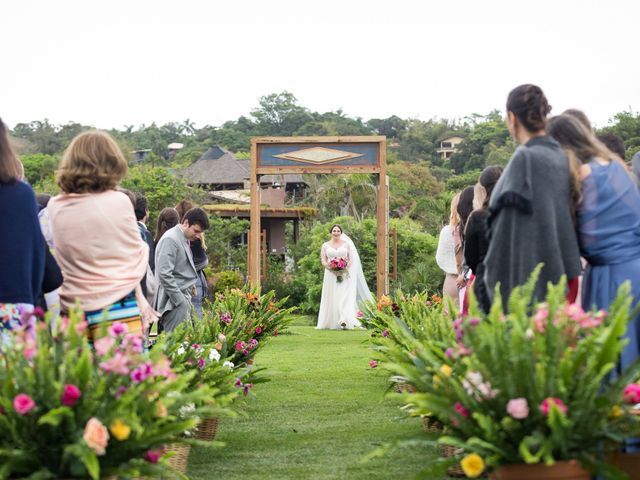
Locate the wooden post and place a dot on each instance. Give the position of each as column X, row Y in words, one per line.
column 394, row 235
column 254, row 233
column 296, row 231
column 382, row 236
column 263, row 249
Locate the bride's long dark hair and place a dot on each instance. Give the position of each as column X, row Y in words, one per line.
column 334, row 226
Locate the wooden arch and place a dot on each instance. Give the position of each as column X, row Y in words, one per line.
column 282, row 155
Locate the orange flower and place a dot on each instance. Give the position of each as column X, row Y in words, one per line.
column 384, row 301
column 436, row 298
column 96, row 436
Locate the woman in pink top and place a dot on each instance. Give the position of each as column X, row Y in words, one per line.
column 98, row 244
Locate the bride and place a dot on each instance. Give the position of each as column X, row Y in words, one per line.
column 341, row 291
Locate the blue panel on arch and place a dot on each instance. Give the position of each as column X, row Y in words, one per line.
column 310, row 154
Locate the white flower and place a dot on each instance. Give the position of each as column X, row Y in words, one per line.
column 529, row 333
column 181, row 350
column 187, row 411
column 214, row 355
column 228, row 364
column 475, row 385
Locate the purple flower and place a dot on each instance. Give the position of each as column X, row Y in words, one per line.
column 225, row 318
column 258, row 330
column 200, row 363
column 195, row 346
column 238, row 382
column 247, row 387
column 385, row 333
column 253, row 343
column 141, row 373
column 474, row 321
column 121, row 391
column 449, row 353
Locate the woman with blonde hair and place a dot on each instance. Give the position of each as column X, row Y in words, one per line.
column 98, row 244
column 448, row 259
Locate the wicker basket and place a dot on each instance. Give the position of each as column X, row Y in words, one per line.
column 207, row 429
column 180, row 460
column 450, row 451
column 404, row 388
column 431, row 426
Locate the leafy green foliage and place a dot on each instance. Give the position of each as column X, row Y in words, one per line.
column 226, row 280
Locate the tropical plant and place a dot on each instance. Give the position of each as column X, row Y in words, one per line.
column 69, row 410
column 534, row 385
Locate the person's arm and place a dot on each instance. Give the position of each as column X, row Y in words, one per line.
column 52, row 275
column 165, row 264
column 349, row 256
column 323, row 258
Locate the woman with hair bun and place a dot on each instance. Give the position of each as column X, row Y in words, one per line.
column 530, row 220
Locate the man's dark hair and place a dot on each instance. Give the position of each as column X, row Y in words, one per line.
column 614, row 143
column 197, row 216
column 141, row 206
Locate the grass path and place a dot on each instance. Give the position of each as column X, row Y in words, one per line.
column 322, row 411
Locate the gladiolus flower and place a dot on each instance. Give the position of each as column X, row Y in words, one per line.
column 117, row 329
column 373, row 364
column 459, row 408
column 518, row 408
column 472, row 465
column 23, row 404
column 120, row 430
column 70, row 395
column 104, row 345
column 153, row 456
column 631, row 393
column 96, row 436
column 545, row 406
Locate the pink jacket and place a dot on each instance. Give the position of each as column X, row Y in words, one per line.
column 98, row 247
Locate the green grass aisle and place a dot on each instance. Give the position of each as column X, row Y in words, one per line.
column 322, row 411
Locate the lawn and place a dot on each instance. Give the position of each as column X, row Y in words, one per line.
column 322, row 412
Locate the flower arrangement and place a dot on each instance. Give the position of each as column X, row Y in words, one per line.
column 532, row 386
column 68, row 410
column 338, row 264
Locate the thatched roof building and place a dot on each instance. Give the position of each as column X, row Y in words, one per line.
column 219, row 169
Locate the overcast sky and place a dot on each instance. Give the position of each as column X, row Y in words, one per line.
column 114, row 63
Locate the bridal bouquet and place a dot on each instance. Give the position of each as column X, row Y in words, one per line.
column 338, row 264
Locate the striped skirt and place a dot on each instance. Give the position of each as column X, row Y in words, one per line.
column 124, row 311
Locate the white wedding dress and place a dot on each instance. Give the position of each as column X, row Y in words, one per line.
column 340, row 300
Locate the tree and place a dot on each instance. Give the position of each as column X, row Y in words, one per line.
column 39, row 166
column 280, row 114
column 392, row 127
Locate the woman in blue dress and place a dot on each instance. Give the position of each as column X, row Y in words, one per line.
column 608, row 222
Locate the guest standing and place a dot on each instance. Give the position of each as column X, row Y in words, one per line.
column 476, row 242
column 608, row 223
column 465, row 207
column 141, row 210
column 167, row 219
column 98, row 244
column 446, row 252
column 22, row 247
column 530, row 218
column 175, row 269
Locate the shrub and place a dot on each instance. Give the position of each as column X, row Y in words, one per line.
column 226, row 280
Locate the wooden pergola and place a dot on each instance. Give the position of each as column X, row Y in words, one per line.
column 315, row 155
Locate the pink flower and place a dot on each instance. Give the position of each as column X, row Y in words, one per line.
column 133, row 340
column 81, row 327
column 545, row 406
column 540, row 318
column 104, row 345
column 221, row 337
column 121, row 391
column 96, row 436
column 201, row 363
column 141, row 373
column 195, row 346
column 70, row 395
column 631, row 393
column 162, row 368
column 428, row 303
column 247, row 387
column 240, row 346
column 373, row 364
column 385, row 333
column 116, row 364
column 574, row 312
column 117, row 329
column 589, row 320
column 153, row 456
column 459, row 408
column 253, row 343
column 518, row 408
column 238, row 382
column 64, row 324
column 463, row 350
column 38, row 312
column 30, row 348
column 23, row 404
column 226, row 318
column 474, row 321
column 258, row 330
column 449, row 353
column 359, row 314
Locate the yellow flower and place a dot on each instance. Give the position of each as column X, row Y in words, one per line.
column 161, row 410
column 385, row 301
column 446, row 370
column 472, row 465
column 616, row 412
column 120, row 430
column 152, row 395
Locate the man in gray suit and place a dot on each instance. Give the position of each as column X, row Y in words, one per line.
column 175, row 270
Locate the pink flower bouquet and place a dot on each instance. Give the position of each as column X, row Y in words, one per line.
column 338, row 264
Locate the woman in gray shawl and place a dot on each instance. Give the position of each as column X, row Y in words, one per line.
column 530, row 213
